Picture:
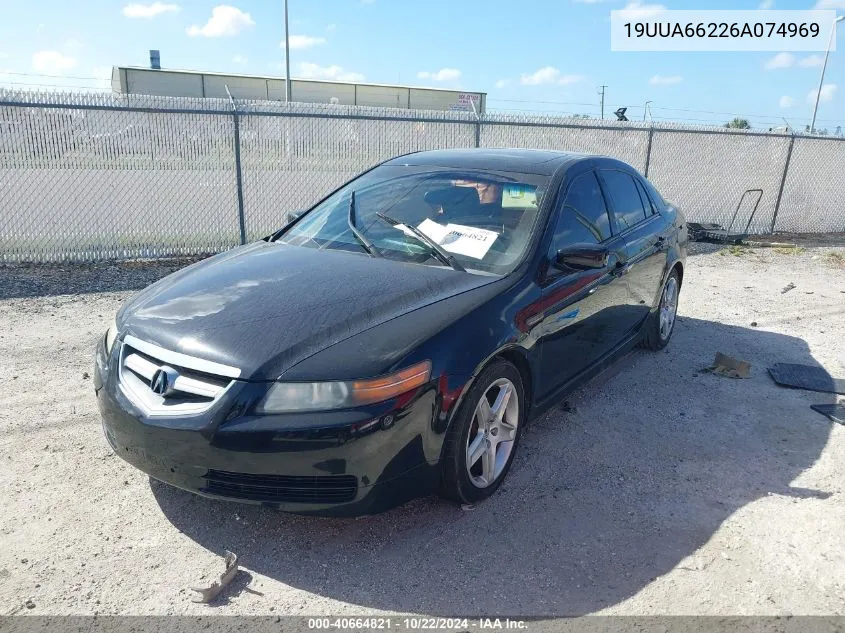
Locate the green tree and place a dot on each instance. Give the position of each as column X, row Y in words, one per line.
column 738, row 124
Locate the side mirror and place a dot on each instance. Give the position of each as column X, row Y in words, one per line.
column 582, row 257
column 287, row 219
column 292, row 216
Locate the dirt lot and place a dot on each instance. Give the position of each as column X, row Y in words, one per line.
column 660, row 490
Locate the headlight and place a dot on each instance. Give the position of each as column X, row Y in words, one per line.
column 111, row 336
column 321, row 396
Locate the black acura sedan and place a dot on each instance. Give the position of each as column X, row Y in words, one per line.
column 393, row 340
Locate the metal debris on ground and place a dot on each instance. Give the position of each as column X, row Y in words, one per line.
column 806, row 377
column 790, row 286
column 724, row 365
column 207, row 594
column 835, row 412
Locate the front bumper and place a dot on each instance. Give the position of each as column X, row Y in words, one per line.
column 350, row 462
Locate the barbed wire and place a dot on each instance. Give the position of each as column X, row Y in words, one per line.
column 766, row 120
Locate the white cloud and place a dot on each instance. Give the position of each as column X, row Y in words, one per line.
column 636, row 10
column 149, row 10
column 52, row 62
column 301, row 42
column 239, row 59
column 225, row 20
column 786, row 101
column 315, row 71
column 548, row 75
column 4, row 55
column 781, row 60
column 830, row 4
column 444, row 74
column 502, row 83
column 331, row 28
column 811, row 61
column 765, row 5
column 659, row 80
column 827, row 93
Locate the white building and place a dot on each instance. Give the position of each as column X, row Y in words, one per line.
column 191, row 83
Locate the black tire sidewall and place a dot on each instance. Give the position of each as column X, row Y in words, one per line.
column 466, row 491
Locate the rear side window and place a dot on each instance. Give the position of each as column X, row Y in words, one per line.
column 656, row 198
column 583, row 219
column 650, row 209
column 627, row 204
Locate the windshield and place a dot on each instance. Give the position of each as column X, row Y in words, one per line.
column 483, row 220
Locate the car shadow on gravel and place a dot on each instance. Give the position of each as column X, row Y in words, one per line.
column 647, row 462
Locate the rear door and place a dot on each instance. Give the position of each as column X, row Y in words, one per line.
column 640, row 229
column 581, row 321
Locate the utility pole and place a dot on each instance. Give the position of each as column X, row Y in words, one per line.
column 602, row 101
column 824, row 67
column 287, row 57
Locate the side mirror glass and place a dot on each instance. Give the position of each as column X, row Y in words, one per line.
column 582, row 257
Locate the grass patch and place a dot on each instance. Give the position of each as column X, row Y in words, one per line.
column 836, row 258
column 789, row 250
column 737, row 250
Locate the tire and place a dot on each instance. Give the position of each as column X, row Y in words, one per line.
column 471, row 433
column 660, row 327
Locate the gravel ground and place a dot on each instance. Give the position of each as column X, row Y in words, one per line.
column 657, row 489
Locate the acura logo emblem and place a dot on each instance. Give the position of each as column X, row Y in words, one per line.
column 163, row 381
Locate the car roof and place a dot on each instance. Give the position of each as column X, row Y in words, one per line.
column 528, row 161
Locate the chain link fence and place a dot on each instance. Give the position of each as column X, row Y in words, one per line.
column 87, row 177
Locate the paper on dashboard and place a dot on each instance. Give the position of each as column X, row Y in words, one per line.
column 459, row 239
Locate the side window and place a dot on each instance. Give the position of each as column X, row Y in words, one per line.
column 583, row 218
column 627, row 204
column 656, row 198
column 650, row 209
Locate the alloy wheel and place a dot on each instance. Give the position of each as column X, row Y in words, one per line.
column 668, row 307
column 492, row 434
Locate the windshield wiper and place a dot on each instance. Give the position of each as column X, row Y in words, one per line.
column 367, row 244
column 438, row 251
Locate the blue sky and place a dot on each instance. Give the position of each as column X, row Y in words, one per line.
column 532, row 55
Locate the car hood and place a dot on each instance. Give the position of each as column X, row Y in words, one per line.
column 267, row 306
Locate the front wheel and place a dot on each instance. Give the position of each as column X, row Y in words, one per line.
column 482, row 441
column 659, row 329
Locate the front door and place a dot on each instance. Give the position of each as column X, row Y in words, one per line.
column 586, row 312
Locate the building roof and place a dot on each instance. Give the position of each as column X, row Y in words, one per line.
column 278, row 78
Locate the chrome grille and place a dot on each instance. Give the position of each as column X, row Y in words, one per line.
column 187, row 389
